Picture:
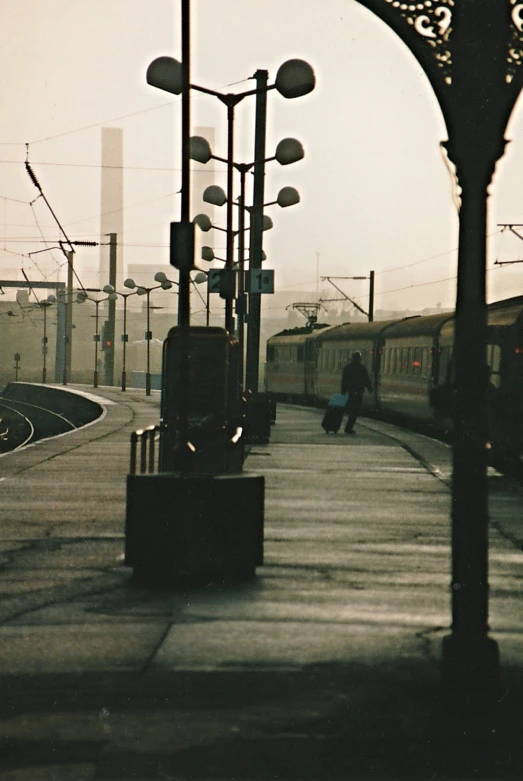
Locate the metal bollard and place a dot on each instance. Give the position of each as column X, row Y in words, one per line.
column 134, row 443
column 151, row 435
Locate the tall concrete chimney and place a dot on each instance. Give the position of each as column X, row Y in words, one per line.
column 111, row 220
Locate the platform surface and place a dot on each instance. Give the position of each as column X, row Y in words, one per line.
column 326, row 666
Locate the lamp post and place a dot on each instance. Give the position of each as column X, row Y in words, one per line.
column 287, row 196
column 44, row 305
column 203, row 276
column 294, row 79
column 288, row 151
column 125, row 336
column 81, row 297
column 204, row 223
column 141, row 290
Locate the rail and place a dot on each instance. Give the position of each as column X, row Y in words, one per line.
column 143, row 442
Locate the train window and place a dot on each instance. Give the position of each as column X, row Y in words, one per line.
column 494, row 361
column 271, row 353
column 384, row 362
column 416, row 362
column 300, row 354
column 426, row 363
column 444, row 365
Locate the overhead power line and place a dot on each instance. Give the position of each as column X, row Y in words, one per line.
column 38, row 186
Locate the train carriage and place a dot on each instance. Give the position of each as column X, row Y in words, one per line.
column 505, row 359
column 290, row 370
column 410, row 365
column 335, row 349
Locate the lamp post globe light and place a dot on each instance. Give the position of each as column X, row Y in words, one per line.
column 200, row 278
column 288, row 151
column 141, row 290
column 287, row 196
column 82, row 297
column 294, row 78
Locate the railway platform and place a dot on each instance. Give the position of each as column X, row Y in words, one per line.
column 325, row 666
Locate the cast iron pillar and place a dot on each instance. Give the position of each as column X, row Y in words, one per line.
column 471, row 51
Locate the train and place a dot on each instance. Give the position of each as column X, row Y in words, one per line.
column 410, row 362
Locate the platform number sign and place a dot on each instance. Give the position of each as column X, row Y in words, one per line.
column 213, row 280
column 222, row 281
column 260, row 281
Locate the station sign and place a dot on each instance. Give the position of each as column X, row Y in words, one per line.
column 223, row 282
column 260, row 281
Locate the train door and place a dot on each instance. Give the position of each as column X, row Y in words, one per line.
column 309, row 369
column 377, row 359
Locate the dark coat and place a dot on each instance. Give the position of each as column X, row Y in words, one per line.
column 355, row 378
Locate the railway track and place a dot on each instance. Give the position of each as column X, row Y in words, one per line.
column 22, row 423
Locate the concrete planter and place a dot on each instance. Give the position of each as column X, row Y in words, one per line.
column 194, row 527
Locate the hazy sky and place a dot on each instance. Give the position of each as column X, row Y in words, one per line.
column 375, row 191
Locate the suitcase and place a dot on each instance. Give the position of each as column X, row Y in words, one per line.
column 334, row 412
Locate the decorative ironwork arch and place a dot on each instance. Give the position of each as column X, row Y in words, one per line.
column 472, row 54
column 444, row 36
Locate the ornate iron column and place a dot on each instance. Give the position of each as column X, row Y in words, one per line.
column 471, row 51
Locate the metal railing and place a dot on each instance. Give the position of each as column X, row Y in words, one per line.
column 144, row 451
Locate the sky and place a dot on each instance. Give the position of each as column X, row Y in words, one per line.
column 375, row 190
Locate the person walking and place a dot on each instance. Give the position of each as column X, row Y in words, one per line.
column 354, row 380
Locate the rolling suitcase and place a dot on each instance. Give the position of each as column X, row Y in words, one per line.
column 334, row 412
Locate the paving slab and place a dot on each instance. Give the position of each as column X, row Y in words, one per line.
column 325, row 666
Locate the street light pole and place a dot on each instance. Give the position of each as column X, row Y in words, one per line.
column 81, row 297
column 44, row 347
column 165, row 284
column 229, row 317
column 125, row 338
column 96, row 341
column 256, row 243
column 241, row 262
column 44, row 306
column 110, row 289
column 148, row 336
column 288, row 151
